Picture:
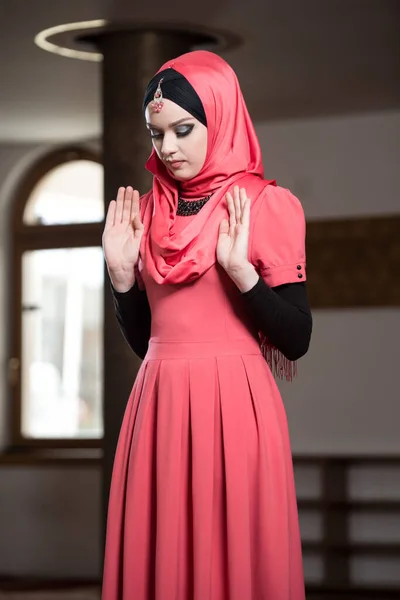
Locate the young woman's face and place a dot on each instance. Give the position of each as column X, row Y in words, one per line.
column 179, row 139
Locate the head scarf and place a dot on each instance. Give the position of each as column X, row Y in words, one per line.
column 175, row 87
column 233, row 157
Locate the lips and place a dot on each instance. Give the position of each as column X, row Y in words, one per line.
column 175, row 164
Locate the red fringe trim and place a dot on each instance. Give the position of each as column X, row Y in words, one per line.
column 281, row 367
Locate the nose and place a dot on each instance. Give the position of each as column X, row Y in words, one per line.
column 168, row 145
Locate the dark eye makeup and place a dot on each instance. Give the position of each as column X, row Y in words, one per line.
column 183, row 130
column 180, row 131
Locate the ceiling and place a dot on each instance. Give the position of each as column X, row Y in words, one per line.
column 297, row 59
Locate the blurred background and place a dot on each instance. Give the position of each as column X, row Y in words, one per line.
column 322, row 83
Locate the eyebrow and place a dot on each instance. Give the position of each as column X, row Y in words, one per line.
column 171, row 124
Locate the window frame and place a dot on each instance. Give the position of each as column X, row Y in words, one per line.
column 26, row 237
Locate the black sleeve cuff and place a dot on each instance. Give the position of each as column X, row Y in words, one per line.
column 283, row 315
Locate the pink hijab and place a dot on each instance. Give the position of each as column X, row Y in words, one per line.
column 233, row 157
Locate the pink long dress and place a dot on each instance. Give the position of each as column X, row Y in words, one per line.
column 203, row 503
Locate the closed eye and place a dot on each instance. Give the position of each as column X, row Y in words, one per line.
column 183, row 130
column 180, row 131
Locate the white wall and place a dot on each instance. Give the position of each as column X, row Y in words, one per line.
column 339, row 166
column 346, row 398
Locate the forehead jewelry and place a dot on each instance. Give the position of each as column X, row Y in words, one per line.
column 157, row 102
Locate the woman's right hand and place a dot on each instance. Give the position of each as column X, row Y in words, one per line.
column 121, row 238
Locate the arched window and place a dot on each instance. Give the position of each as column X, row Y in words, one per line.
column 56, row 302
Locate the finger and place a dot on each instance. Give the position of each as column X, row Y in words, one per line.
column 224, row 227
column 120, row 205
column 246, row 213
column 110, row 215
column 243, row 198
column 135, row 204
column 137, row 226
column 126, row 212
column 236, row 199
column 231, row 210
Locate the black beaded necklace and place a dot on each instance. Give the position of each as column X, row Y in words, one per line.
column 187, row 208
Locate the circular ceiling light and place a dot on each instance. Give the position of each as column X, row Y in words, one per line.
column 78, row 40
column 65, row 34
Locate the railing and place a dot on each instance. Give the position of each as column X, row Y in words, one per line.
column 349, row 510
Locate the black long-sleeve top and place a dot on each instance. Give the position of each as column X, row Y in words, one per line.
column 281, row 313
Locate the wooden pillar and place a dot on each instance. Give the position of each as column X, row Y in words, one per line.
column 131, row 58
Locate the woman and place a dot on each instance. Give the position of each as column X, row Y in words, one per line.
column 202, row 503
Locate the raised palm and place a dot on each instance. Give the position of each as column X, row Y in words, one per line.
column 121, row 238
column 233, row 239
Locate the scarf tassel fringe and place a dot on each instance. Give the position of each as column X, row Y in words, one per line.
column 281, row 367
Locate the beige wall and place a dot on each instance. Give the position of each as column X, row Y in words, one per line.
column 346, row 398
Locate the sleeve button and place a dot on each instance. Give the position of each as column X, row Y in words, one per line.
column 300, row 276
column 299, row 267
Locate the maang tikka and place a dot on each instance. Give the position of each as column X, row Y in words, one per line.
column 157, row 102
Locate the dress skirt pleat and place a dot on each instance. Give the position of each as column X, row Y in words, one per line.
column 202, row 503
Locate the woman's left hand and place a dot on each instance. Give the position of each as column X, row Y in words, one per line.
column 233, row 241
